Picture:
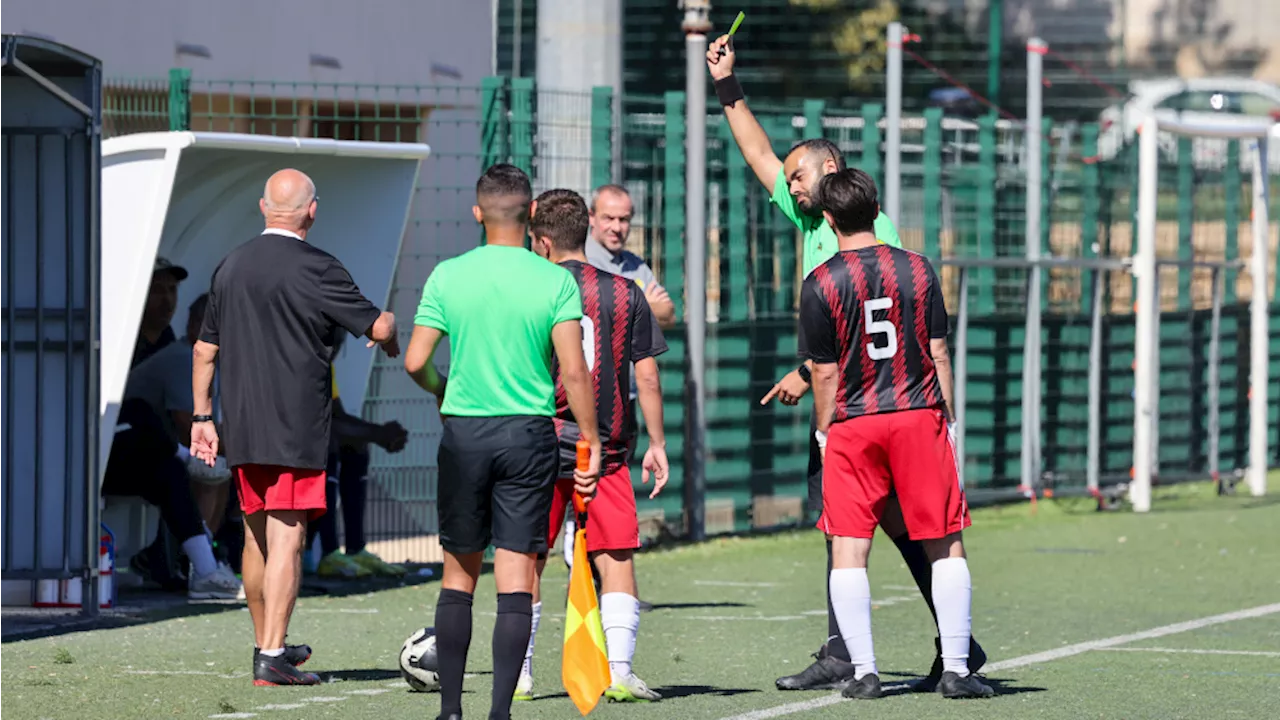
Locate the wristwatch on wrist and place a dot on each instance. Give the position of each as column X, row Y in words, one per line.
column 805, row 375
column 201, row 418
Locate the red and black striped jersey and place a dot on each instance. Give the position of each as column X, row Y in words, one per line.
column 873, row 311
column 618, row 329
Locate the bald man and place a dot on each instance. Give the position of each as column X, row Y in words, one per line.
column 276, row 308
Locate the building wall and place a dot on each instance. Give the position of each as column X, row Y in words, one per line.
column 378, row 41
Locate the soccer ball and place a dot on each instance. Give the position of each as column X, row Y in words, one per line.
column 418, row 664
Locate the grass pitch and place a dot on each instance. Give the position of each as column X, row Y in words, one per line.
column 732, row 614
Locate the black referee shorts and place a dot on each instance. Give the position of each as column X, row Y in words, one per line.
column 497, row 477
column 815, row 468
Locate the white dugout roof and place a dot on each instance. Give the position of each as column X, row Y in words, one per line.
column 191, row 197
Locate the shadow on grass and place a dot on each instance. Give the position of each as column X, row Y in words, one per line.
column 676, row 691
column 145, row 605
column 697, row 606
column 359, row 675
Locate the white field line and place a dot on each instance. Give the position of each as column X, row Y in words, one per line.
column 1253, row 653
column 1036, row 658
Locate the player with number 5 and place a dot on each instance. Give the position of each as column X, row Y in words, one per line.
column 792, row 182
column 873, row 323
column 618, row 329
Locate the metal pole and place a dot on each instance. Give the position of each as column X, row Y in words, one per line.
column 1215, row 364
column 516, row 36
column 893, row 125
column 1031, row 346
column 1154, row 375
column 93, row 350
column 1094, row 463
column 1144, row 268
column 695, row 27
column 1258, row 331
column 962, row 369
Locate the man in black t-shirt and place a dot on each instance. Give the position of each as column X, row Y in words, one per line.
column 276, row 307
column 873, row 323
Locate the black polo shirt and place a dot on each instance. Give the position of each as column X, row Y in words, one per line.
column 276, row 306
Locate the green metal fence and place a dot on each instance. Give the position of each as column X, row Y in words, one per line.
column 963, row 196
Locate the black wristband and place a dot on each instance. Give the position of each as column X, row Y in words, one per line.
column 729, row 90
column 201, row 418
column 805, row 375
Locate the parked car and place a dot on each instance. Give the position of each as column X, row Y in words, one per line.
column 1193, row 100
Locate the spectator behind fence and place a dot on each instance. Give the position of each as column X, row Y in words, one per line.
column 164, row 382
column 348, row 470
column 276, row 306
column 144, row 462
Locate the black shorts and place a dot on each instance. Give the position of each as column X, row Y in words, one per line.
column 497, row 477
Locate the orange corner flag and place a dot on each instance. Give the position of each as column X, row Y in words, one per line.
column 585, row 667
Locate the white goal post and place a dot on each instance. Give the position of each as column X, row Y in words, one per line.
column 1145, row 268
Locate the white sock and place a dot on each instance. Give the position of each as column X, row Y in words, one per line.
column 272, row 653
column 620, row 615
column 568, row 543
column 851, row 600
column 200, row 552
column 952, row 595
column 527, row 668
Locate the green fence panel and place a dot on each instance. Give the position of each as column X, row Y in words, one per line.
column 1231, row 209
column 522, row 129
column 932, row 178
column 871, row 163
column 601, row 136
column 673, row 192
column 737, row 242
column 1186, row 218
column 179, row 99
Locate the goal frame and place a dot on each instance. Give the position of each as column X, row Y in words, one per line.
column 1147, row 306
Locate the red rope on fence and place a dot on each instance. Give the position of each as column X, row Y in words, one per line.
column 1082, row 72
column 954, row 82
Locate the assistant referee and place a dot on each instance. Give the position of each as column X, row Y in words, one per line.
column 505, row 310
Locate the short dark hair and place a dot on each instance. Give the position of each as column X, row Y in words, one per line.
column 561, row 215
column 824, row 147
column 504, row 192
column 850, row 196
column 607, row 188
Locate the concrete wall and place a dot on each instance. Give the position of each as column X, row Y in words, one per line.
column 379, row 41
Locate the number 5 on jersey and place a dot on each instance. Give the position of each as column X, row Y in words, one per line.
column 875, row 327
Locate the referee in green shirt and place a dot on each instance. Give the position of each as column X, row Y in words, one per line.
column 793, row 182
column 505, row 311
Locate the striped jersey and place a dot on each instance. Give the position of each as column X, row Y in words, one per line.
column 618, row 329
column 873, row 311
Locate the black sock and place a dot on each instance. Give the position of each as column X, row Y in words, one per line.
column 351, row 484
column 920, row 567
column 453, row 639
column 510, row 640
column 327, row 525
column 835, row 641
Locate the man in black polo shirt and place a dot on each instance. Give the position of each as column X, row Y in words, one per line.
column 276, row 307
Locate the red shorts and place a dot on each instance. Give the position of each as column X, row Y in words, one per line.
column 909, row 452
column 611, row 514
column 271, row 487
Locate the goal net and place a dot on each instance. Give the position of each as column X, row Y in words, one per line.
column 1203, row 293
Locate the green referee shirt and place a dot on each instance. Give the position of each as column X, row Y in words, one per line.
column 820, row 242
column 498, row 304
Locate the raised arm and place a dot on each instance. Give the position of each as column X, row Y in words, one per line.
column 747, row 132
